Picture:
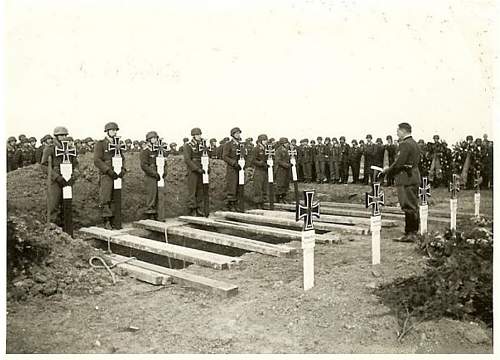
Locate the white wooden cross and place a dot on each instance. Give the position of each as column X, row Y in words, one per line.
column 204, row 160
column 117, row 162
column 375, row 199
column 307, row 211
column 270, row 163
column 161, row 148
column 454, row 188
column 240, row 152
column 293, row 160
column 477, row 194
column 424, row 192
column 66, row 167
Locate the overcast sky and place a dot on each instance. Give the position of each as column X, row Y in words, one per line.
column 285, row 68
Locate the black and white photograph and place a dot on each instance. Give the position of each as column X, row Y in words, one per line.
column 249, row 177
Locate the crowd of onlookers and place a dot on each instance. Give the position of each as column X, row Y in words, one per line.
column 321, row 160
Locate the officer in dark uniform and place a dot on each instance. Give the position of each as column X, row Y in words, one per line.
column 103, row 161
column 407, row 179
column 151, row 178
column 307, row 159
column 282, row 170
column 319, row 157
column 192, row 157
column 355, row 160
column 391, row 153
column 334, row 163
column 259, row 163
column 57, row 182
column 343, row 160
column 312, row 144
column 328, row 165
column 379, row 153
column 229, row 155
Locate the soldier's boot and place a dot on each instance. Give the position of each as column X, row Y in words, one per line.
column 192, row 212
column 107, row 223
column 200, row 212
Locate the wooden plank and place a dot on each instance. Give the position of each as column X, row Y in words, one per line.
column 138, row 273
column 288, row 223
column 196, row 256
column 333, row 219
column 391, row 209
column 218, row 238
column 183, row 277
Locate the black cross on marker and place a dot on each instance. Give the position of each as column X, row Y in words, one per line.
column 425, row 191
column 117, row 146
column 65, row 151
column 375, row 199
column 308, row 211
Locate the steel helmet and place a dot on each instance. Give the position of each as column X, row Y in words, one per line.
column 111, row 126
column 262, row 137
column 212, row 140
column 12, row 138
column 32, row 139
column 151, row 134
column 69, row 138
column 195, row 131
column 235, row 130
column 88, row 139
column 60, row 130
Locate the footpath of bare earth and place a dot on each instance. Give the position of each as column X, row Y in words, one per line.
column 270, row 314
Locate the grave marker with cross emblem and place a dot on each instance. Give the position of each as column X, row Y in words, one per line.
column 241, row 152
column 270, row 174
column 424, row 192
column 375, row 200
column 306, row 212
column 477, row 194
column 160, row 148
column 293, row 161
column 205, row 180
column 65, row 152
column 117, row 146
column 454, row 189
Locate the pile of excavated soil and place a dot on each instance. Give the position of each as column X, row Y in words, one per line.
column 26, row 190
column 42, row 260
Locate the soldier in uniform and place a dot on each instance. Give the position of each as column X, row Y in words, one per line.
column 355, row 160
column 229, row 155
column 343, row 160
column 379, row 153
column 128, row 144
column 151, row 178
column 12, row 154
column 259, row 163
column 184, row 142
column 328, row 164
column 57, row 182
column 136, row 147
column 391, row 153
column 313, row 152
column 487, row 168
column 319, row 157
column 407, row 179
column 212, row 149
column 39, row 150
column 369, row 152
column 218, row 152
column 103, row 161
column 173, row 149
column 282, row 170
column 192, row 157
column 307, row 160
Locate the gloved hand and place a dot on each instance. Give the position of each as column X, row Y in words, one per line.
column 158, row 177
column 199, row 171
column 113, row 175
column 164, row 176
column 60, row 181
column 71, row 181
column 122, row 173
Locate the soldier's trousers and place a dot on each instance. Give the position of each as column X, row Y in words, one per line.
column 231, row 184
column 195, row 190
column 151, row 186
column 408, row 200
column 368, row 176
column 259, row 185
column 355, row 171
column 105, row 195
column 282, row 180
column 317, row 168
column 334, row 170
column 307, row 171
column 55, row 203
column 344, row 171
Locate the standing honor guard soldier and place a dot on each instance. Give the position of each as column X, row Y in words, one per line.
column 343, row 160
column 60, row 160
column 369, row 152
column 391, row 152
column 355, row 154
column 153, row 173
column 282, row 171
column 307, row 160
column 407, row 179
column 230, row 154
column 259, row 163
column 193, row 151
column 109, row 159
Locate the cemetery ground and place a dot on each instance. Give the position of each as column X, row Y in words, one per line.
column 270, row 314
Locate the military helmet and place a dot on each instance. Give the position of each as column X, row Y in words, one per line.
column 195, row 131
column 22, row 136
column 45, row 138
column 342, row 138
column 389, row 137
column 369, row 136
column 173, row 144
column 135, row 142
column 111, row 126
column 249, row 139
column 87, row 139
column 313, row 142
column 213, row 140
column 469, row 137
column 304, row 141
column 60, row 130
column 379, row 140
column 436, row 137
column 235, row 130
column 11, row 138
column 151, row 134
column 262, row 137
column 128, row 141
column 327, row 138
column 69, row 138
column 185, row 140
column 319, row 138
column 32, row 139
column 283, row 140
column 354, row 142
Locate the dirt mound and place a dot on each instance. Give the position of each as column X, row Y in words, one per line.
column 26, row 190
column 42, row 260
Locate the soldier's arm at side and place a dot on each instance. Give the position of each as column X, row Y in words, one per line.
column 98, row 158
column 255, row 159
column 145, row 164
column 225, row 155
column 187, row 159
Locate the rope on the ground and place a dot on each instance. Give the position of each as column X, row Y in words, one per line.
column 106, row 266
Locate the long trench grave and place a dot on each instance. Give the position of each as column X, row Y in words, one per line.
column 160, row 252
